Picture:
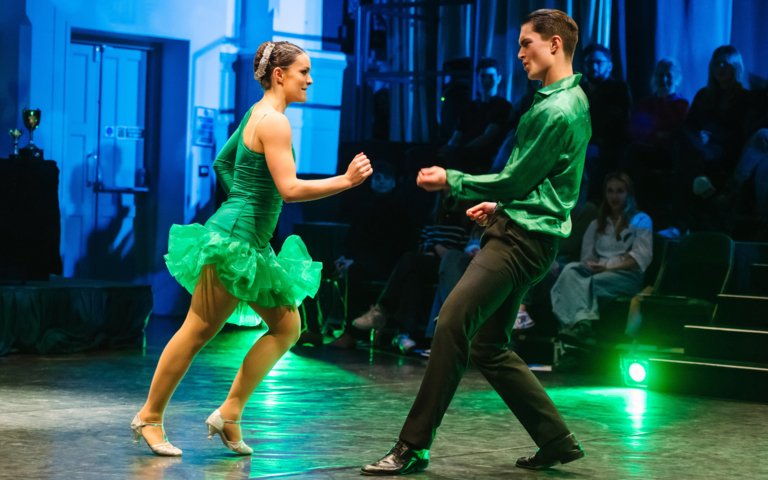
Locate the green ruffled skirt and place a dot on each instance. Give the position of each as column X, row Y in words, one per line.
column 251, row 274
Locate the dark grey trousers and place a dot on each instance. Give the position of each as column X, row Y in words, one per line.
column 476, row 323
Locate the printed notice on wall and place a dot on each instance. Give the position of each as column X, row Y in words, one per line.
column 204, row 118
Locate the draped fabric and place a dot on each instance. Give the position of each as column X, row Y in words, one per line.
column 595, row 24
column 748, row 20
column 68, row 315
column 689, row 31
column 638, row 33
column 412, row 100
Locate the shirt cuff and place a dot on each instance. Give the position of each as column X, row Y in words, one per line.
column 454, row 179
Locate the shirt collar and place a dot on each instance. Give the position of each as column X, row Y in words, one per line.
column 562, row 84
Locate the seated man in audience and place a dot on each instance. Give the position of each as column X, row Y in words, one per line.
column 481, row 127
column 609, row 105
column 402, row 303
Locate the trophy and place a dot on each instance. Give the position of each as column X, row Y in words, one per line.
column 15, row 133
column 31, row 118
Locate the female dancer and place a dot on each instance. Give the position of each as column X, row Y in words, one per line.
column 229, row 260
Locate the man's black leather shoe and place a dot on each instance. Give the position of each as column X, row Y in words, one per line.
column 564, row 450
column 400, row 460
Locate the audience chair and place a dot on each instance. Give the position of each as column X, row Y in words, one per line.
column 691, row 276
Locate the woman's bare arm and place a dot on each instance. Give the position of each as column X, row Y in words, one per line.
column 274, row 132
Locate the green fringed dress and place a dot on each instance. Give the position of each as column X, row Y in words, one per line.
column 236, row 238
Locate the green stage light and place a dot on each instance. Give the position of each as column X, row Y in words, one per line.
column 635, row 372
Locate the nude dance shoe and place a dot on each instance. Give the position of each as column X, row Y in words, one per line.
column 164, row 449
column 216, row 426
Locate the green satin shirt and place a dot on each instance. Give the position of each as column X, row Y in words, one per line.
column 540, row 183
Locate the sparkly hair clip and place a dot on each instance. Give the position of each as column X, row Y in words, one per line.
column 262, row 69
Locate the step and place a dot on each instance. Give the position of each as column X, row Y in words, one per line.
column 706, row 376
column 758, row 278
column 726, row 343
column 741, row 310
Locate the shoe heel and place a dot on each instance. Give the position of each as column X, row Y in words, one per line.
column 136, row 429
column 572, row 456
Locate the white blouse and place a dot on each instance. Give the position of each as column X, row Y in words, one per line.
column 636, row 241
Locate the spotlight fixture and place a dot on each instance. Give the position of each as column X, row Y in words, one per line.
column 634, row 371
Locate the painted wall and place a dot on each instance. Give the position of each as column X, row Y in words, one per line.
column 201, row 42
column 203, row 23
column 14, row 72
column 192, row 33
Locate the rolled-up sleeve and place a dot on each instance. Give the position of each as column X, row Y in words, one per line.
column 642, row 247
column 527, row 167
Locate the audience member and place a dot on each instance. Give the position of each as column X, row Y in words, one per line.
column 452, row 266
column 518, row 110
column 616, row 250
column 403, row 302
column 716, row 130
column 481, row 127
column 656, row 120
column 747, row 191
column 536, row 308
column 384, row 225
column 609, row 104
column 655, row 126
column 753, row 167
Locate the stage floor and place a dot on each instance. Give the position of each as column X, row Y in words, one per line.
column 322, row 413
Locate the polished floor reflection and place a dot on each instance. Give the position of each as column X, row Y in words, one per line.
column 323, row 412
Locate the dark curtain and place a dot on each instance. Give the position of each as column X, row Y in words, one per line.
column 637, row 32
column 689, row 31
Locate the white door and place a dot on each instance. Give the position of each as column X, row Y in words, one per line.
column 103, row 174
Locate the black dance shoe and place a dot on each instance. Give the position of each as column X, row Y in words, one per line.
column 564, row 450
column 579, row 335
column 400, row 460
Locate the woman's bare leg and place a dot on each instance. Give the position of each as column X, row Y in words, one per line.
column 210, row 308
column 284, row 330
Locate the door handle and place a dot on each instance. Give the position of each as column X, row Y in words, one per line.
column 97, row 182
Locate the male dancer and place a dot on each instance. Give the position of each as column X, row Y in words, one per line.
column 535, row 193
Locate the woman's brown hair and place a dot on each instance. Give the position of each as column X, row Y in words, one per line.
column 630, row 208
column 278, row 55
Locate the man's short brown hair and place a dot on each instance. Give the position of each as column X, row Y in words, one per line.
column 549, row 22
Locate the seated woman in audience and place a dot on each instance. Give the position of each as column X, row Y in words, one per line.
column 616, row 249
column 655, row 120
column 716, row 129
column 655, row 126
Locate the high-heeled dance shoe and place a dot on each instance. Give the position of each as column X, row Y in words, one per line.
column 216, row 426
column 163, row 449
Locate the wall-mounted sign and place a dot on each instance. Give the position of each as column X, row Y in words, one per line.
column 124, row 132
column 203, row 135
